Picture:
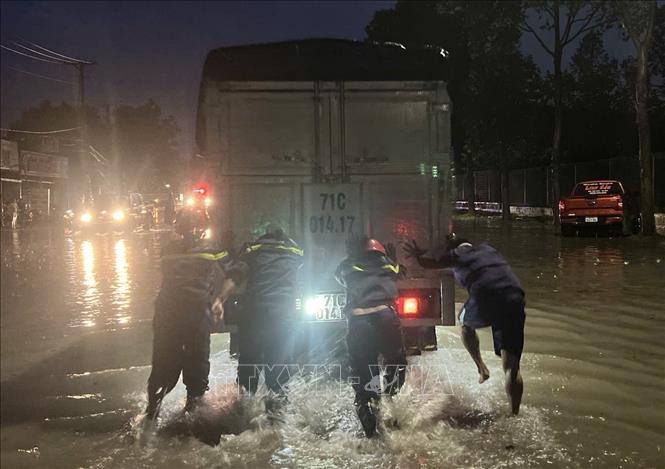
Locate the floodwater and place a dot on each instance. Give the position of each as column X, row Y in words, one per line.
column 76, row 337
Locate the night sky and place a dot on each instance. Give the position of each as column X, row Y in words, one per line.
column 156, row 49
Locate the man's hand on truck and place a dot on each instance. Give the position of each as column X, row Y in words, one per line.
column 412, row 249
column 391, row 252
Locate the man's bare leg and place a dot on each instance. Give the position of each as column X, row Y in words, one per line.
column 513, row 380
column 472, row 344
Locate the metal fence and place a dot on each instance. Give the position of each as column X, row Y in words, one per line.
column 529, row 187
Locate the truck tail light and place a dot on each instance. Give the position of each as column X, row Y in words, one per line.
column 408, row 305
column 562, row 206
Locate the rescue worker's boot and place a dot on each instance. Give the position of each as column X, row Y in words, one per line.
column 193, row 402
column 154, row 404
column 275, row 405
column 367, row 417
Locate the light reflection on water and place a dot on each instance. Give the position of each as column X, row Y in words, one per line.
column 101, row 279
column 89, row 292
column 121, row 287
column 593, row 367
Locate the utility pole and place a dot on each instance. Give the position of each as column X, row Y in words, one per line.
column 39, row 53
column 83, row 124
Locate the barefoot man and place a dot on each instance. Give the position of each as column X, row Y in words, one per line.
column 495, row 299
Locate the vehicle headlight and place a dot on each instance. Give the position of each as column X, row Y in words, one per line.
column 118, row 215
column 190, row 201
column 207, row 201
column 86, row 217
column 314, row 305
column 207, row 234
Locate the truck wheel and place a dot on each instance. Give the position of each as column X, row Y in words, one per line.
column 567, row 230
column 625, row 225
column 636, row 224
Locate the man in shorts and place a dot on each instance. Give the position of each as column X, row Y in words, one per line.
column 495, row 299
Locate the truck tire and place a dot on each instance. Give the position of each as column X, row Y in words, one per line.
column 636, row 225
column 625, row 225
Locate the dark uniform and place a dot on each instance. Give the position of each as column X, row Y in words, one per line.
column 266, row 332
column 192, row 274
column 370, row 282
column 495, row 298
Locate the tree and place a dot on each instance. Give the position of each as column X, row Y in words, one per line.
column 596, row 108
column 507, row 119
column 137, row 143
column 637, row 20
column 657, row 54
column 568, row 21
column 486, row 67
column 143, row 145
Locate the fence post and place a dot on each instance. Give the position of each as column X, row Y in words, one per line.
column 547, row 187
column 524, row 186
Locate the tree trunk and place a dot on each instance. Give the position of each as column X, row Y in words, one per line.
column 646, row 163
column 505, row 190
column 470, row 187
column 558, row 120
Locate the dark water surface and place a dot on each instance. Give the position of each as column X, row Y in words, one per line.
column 76, row 337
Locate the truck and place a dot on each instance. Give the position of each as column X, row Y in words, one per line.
column 327, row 139
column 599, row 204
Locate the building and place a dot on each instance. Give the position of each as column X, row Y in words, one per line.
column 37, row 179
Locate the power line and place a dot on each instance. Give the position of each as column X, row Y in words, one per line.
column 40, row 133
column 88, row 62
column 39, row 76
column 30, row 56
column 48, row 56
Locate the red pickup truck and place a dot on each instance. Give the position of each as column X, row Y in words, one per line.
column 596, row 204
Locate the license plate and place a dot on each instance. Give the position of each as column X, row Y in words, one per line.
column 591, row 219
column 324, row 307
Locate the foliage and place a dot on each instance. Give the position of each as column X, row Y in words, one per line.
column 138, row 142
column 488, row 74
column 596, row 102
column 144, row 142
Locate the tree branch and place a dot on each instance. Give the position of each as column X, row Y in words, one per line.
column 528, row 28
column 586, row 27
column 566, row 31
column 650, row 25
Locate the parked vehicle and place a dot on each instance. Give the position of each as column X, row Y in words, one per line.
column 599, row 204
column 110, row 212
column 327, row 139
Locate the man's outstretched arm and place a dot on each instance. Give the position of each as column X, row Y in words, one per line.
column 436, row 258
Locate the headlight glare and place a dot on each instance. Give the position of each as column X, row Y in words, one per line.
column 314, row 305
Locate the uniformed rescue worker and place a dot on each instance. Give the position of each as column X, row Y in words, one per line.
column 266, row 332
column 369, row 276
column 197, row 277
column 495, row 299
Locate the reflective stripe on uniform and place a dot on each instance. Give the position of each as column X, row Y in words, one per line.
column 293, row 249
column 393, row 267
column 200, row 255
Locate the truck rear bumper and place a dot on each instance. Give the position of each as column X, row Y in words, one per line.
column 588, row 220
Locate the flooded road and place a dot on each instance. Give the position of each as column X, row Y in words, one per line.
column 76, row 338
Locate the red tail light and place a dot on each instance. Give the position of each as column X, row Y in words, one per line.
column 408, row 305
column 562, row 206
